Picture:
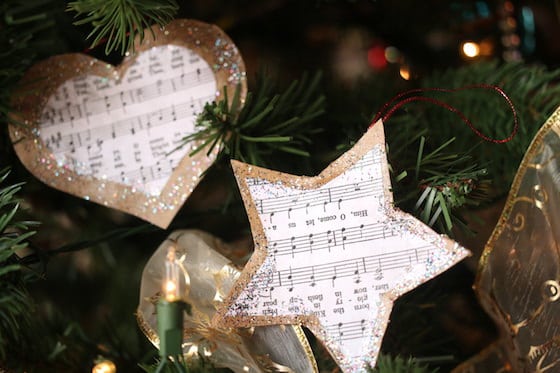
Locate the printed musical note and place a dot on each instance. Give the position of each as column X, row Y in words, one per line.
column 95, row 148
column 340, row 332
column 379, row 271
column 410, row 265
column 293, row 245
column 331, row 241
column 279, row 278
column 290, row 278
column 349, row 330
column 357, row 278
column 312, row 277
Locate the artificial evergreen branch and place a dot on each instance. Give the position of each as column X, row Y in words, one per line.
column 434, row 185
column 15, row 53
column 181, row 365
column 534, row 91
column 116, row 234
column 266, row 124
column 439, row 166
column 388, row 364
column 15, row 303
column 119, row 22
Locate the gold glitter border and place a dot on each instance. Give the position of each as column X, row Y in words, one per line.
column 298, row 330
column 552, row 123
column 243, row 171
column 43, row 79
column 372, row 138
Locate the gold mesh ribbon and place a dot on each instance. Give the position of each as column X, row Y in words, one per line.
column 260, row 349
column 519, row 272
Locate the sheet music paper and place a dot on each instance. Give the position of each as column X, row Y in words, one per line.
column 126, row 131
column 110, row 134
column 335, row 253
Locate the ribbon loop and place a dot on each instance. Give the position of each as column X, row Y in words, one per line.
column 401, row 99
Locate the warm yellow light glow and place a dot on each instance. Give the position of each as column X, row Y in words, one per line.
column 105, row 366
column 470, row 49
column 404, row 72
column 245, row 368
column 170, row 288
column 171, row 291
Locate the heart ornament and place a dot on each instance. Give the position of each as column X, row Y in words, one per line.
column 113, row 135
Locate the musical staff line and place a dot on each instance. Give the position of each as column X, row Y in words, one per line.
column 130, row 126
column 348, row 268
column 145, row 174
column 330, row 239
column 369, row 159
column 348, row 330
column 123, row 98
column 316, row 197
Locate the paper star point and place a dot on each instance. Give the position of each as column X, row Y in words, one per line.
column 332, row 253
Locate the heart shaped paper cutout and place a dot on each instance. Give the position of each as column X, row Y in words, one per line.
column 111, row 134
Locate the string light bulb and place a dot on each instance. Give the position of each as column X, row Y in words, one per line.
column 404, row 72
column 171, row 306
column 105, row 366
column 171, row 287
column 470, row 49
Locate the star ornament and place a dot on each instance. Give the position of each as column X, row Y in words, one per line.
column 332, row 253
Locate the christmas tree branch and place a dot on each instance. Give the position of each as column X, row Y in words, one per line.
column 14, row 300
column 389, row 364
column 118, row 22
column 44, row 256
column 438, row 165
column 532, row 89
column 434, row 184
column 267, row 124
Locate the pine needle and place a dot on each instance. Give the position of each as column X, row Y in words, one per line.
column 15, row 303
column 269, row 123
column 388, row 364
column 118, row 22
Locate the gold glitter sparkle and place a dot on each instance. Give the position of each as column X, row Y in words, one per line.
column 43, row 80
